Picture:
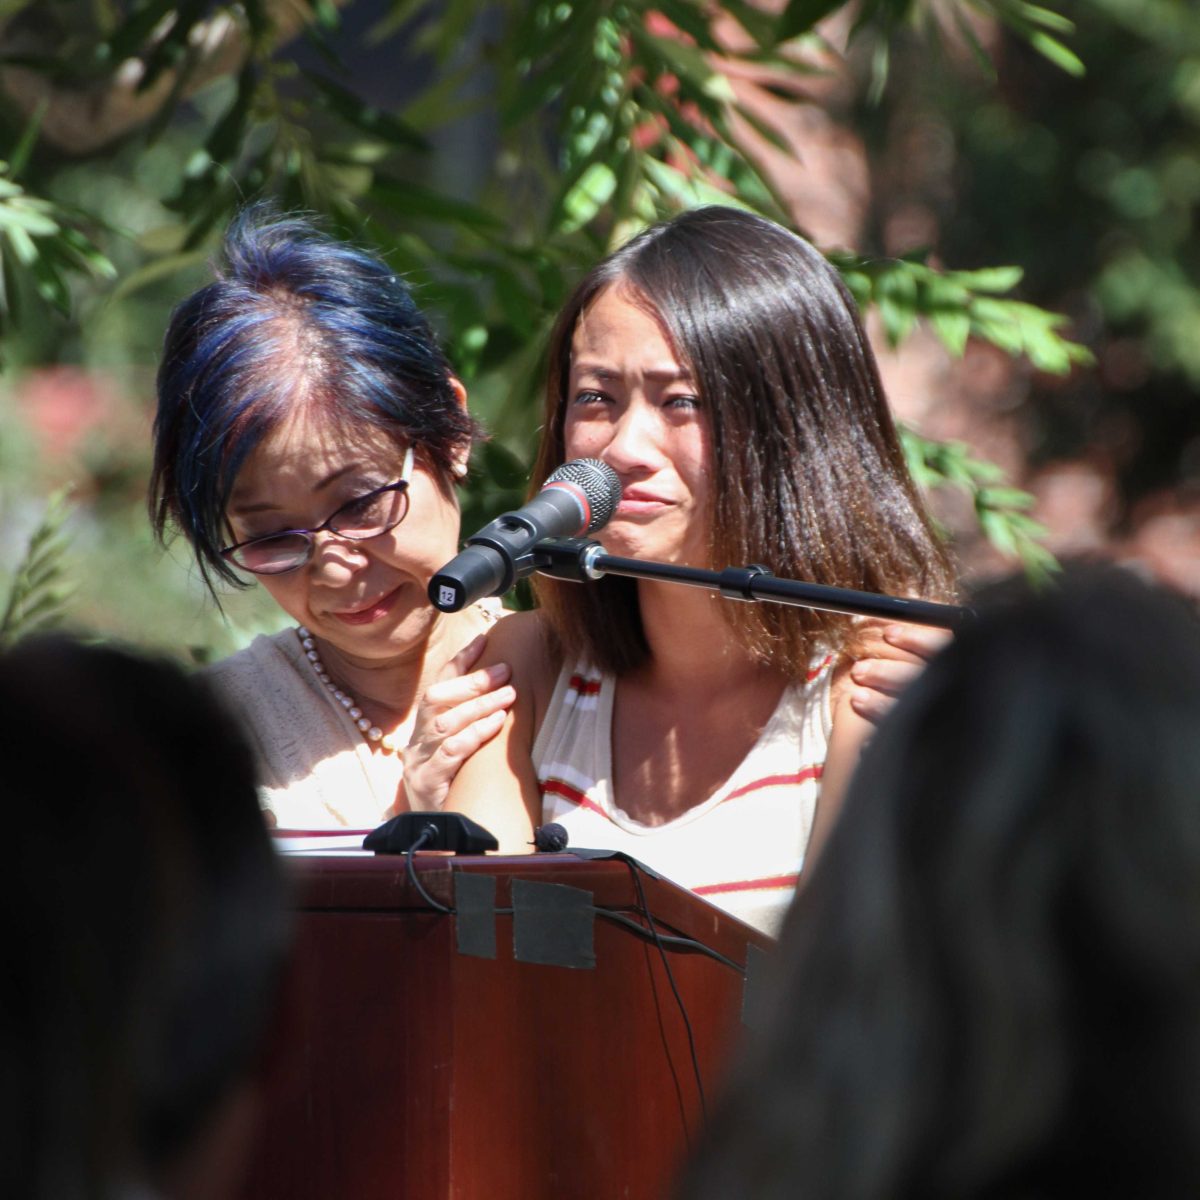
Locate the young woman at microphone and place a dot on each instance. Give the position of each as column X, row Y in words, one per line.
column 717, row 363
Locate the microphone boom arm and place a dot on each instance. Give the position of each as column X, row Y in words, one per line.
column 579, row 559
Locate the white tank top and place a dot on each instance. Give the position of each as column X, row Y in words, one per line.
column 741, row 849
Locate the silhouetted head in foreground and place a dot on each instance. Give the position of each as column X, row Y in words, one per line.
column 991, row 985
column 145, row 928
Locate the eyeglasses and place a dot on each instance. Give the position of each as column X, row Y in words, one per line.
column 364, row 517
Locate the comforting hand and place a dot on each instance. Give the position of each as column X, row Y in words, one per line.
column 457, row 714
column 891, row 656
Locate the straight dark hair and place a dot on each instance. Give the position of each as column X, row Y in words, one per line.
column 809, row 477
column 990, row 986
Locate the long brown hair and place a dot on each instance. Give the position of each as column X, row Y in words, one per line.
column 809, row 477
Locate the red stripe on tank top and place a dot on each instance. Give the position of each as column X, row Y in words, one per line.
column 813, row 772
column 557, row 787
column 747, row 885
column 813, row 672
column 583, row 685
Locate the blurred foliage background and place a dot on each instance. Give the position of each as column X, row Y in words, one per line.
column 1029, row 177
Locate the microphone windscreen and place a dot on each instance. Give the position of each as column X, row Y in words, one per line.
column 598, row 482
column 552, row 837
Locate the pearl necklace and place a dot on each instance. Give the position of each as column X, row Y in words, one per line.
column 374, row 735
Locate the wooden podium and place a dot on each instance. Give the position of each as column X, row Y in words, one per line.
column 411, row 1064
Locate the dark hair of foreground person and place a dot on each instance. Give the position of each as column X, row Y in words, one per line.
column 990, row 987
column 146, row 928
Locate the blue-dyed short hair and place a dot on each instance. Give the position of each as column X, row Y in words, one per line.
column 294, row 318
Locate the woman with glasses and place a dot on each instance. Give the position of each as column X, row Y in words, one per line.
column 718, row 365
column 309, row 436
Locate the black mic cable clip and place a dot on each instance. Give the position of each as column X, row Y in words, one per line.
column 568, row 558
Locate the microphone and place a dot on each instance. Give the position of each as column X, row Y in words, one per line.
column 550, row 838
column 579, row 497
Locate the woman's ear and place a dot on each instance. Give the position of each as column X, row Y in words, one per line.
column 462, row 454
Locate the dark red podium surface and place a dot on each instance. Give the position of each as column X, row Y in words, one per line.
column 409, row 1069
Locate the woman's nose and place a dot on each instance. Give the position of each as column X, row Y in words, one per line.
column 634, row 444
column 335, row 559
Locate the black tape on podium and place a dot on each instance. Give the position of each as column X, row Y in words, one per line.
column 553, row 924
column 475, row 914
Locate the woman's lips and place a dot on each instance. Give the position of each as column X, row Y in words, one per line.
column 372, row 612
column 634, row 503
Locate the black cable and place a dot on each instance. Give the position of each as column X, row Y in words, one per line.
column 676, row 943
column 426, row 834
column 662, row 950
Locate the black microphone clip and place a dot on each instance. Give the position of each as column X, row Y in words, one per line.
column 430, row 831
column 550, row 838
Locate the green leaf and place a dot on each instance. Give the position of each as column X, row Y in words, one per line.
column 762, row 26
column 896, row 297
column 1058, row 54
column 990, row 279
column 952, row 329
column 51, row 286
column 587, row 196
column 1045, row 17
column 24, row 213
column 691, row 66
column 21, row 243
column 997, row 531
column 29, row 135
column 32, row 602
column 1004, row 497
column 802, row 15
column 689, row 18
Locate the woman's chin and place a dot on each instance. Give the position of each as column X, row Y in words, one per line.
column 399, row 625
column 646, row 546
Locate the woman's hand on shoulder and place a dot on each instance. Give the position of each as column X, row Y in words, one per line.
column 461, row 711
column 888, row 657
column 498, row 787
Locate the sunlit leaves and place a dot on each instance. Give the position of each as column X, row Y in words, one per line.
column 41, row 246
column 1001, row 510
column 959, row 305
column 602, row 116
column 1042, row 27
column 39, row 588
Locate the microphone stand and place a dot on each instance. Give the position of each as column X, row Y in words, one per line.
column 578, row 559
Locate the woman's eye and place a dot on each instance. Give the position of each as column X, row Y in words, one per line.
column 683, row 402
column 257, row 535
column 360, row 507
column 589, row 396
column 366, row 512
